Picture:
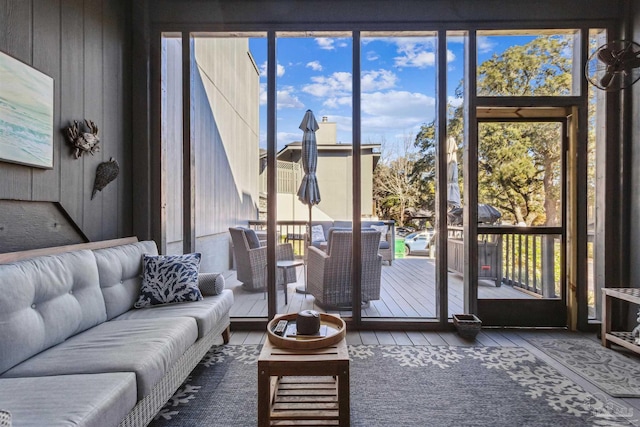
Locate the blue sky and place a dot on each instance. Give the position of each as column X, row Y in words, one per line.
column 397, row 78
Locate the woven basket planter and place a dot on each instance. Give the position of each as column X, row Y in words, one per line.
column 468, row 325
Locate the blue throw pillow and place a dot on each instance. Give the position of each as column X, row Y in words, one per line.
column 252, row 238
column 169, row 278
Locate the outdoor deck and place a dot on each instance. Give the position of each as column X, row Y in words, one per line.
column 408, row 290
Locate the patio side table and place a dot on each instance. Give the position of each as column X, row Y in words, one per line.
column 285, row 265
column 621, row 338
column 300, row 387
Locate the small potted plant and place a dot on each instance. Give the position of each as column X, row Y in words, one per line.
column 468, row 325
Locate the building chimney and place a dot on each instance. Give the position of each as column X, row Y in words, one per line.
column 325, row 119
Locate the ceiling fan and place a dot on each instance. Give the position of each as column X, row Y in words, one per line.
column 614, row 65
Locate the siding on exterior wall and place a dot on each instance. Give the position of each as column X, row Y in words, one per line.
column 226, row 137
column 225, row 134
column 84, row 45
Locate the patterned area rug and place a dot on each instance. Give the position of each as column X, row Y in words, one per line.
column 405, row 386
column 613, row 372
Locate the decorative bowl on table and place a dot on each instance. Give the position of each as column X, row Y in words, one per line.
column 332, row 330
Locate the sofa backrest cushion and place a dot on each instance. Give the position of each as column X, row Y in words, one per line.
column 44, row 301
column 120, row 272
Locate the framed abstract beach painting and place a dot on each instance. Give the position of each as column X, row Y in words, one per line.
column 26, row 114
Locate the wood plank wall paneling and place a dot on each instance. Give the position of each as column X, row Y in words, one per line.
column 17, row 33
column 72, row 104
column 93, row 97
column 35, row 225
column 85, row 46
column 46, row 58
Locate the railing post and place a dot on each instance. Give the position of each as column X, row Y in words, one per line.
column 548, row 276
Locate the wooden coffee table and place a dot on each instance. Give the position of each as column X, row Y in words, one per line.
column 298, row 387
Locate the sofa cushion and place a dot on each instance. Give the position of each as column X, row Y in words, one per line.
column 207, row 313
column 93, row 400
column 168, row 279
column 317, row 234
column 45, row 300
column 342, row 224
column 120, row 270
column 383, row 229
column 146, row 347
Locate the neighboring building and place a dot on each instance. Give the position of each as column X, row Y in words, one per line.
column 334, row 175
column 225, row 106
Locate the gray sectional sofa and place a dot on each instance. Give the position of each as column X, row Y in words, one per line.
column 74, row 351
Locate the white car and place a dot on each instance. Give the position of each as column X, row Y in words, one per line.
column 419, row 242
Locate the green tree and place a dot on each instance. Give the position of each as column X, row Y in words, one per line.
column 519, row 164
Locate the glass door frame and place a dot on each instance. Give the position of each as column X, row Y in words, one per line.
column 537, row 312
column 579, row 103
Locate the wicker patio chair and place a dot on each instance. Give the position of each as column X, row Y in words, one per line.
column 329, row 273
column 251, row 260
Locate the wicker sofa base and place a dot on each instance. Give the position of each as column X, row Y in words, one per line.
column 147, row 408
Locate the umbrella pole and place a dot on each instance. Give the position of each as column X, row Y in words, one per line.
column 300, row 289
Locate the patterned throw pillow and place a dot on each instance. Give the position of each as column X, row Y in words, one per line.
column 317, row 234
column 169, row 278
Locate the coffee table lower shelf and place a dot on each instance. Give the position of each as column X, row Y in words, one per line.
column 303, row 387
column 305, row 401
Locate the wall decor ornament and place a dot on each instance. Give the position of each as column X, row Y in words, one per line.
column 26, row 114
column 83, row 142
column 105, row 173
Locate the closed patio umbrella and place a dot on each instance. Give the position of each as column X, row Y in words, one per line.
column 309, row 192
column 453, row 188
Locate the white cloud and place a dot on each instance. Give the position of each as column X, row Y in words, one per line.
column 418, row 59
column 337, row 102
column 372, row 55
column 419, row 52
column 325, row 43
column 484, row 44
column 285, row 97
column 314, row 65
column 454, row 102
column 263, row 94
column 378, row 80
column 284, row 138
column 396, row 110
column 279, row 70
column 336, row 84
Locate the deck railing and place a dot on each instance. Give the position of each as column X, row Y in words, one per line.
column 289, row 176
column 532, row 257
column 529, row 258
column 293, row 232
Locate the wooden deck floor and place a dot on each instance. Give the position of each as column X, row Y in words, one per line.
column 407, row 290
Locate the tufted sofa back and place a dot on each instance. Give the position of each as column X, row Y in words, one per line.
column 45, row 300
column 120, row 274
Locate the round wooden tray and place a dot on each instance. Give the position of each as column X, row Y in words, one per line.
column 336, row 330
